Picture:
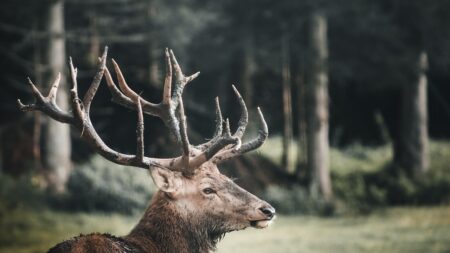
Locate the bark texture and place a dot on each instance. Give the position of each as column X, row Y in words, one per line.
column 153, row 55
column 302, row 159
column 57, row 147
column 317, row 109
column 248, row 70
column 411, row 152
column 286, row 159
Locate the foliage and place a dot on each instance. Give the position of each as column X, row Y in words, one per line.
column 364, row 190
column 19, row 193
column 295, row 200
column 363, row 179
column 100, row 185
column 97, row 185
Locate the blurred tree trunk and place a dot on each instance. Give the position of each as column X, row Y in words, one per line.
column 286, row 159
column 302, row 173
column 57, row 142
column 248, row 70
column 411, row 152
column 37, row 124
column 153, row 51
column 94, row 44
column 317, row 109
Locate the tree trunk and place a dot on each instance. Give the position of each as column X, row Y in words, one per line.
column 412, row 147
column 57, row 135
column 248, row 70
column 302, row 159
column 94, row 45
column 153, row 51
column 286, row 159
column 37, row 124
column 317, row 110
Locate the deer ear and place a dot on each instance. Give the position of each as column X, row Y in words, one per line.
column 165, row 179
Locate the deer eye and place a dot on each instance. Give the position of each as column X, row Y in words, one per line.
column 208, row 191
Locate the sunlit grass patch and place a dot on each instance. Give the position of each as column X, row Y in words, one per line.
column 391, row 230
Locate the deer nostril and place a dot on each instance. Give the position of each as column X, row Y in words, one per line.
column 268, row 211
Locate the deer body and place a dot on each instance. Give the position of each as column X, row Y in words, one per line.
column 196, row 205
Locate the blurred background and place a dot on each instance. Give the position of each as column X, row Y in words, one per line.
column 356, row 95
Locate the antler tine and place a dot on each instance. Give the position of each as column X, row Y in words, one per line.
column 248, row 146
column 243, row 121
column 76, row 102
column 242, row 124
column 117, row 95
column 140, row 132
column 122, row 83
column 220, row 142
column 217, row 131
column 120, row 98
column 46, row 104
column 180, row 80
column 224, row 140
column 168, row 79
column 54, row 89
column 89, row 96
column 219, row 119
column 263, row 132
column 36, row 93
column 35, row 90
column 183, row 134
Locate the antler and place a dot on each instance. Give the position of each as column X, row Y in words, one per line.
column 80, row 118
column 222, row 146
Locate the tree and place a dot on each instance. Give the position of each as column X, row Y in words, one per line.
column 286, row 159
column 153, row 50
column 412, row 147
column 317, row 109
column 302, row 173
column 248, row 67
column 57, row 161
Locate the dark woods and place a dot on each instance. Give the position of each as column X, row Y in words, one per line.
column 325, row 73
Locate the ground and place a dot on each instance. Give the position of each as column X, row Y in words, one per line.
column 391, row 230
column 405, row 229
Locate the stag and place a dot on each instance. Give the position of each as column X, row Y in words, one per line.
column 196, row 205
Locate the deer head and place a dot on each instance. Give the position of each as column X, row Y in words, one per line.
column 191, row 184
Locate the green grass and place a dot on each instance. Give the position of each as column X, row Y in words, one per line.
column 389, row 230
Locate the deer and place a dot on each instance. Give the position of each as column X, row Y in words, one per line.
column 195, row 205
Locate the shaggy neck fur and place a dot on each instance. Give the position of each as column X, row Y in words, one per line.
column 164, row 229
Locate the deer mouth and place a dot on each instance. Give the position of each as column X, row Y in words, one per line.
column 260, row 223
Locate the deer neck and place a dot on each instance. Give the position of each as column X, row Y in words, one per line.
column 171, row 230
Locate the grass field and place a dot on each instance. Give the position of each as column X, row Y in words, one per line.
column 389, row 230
